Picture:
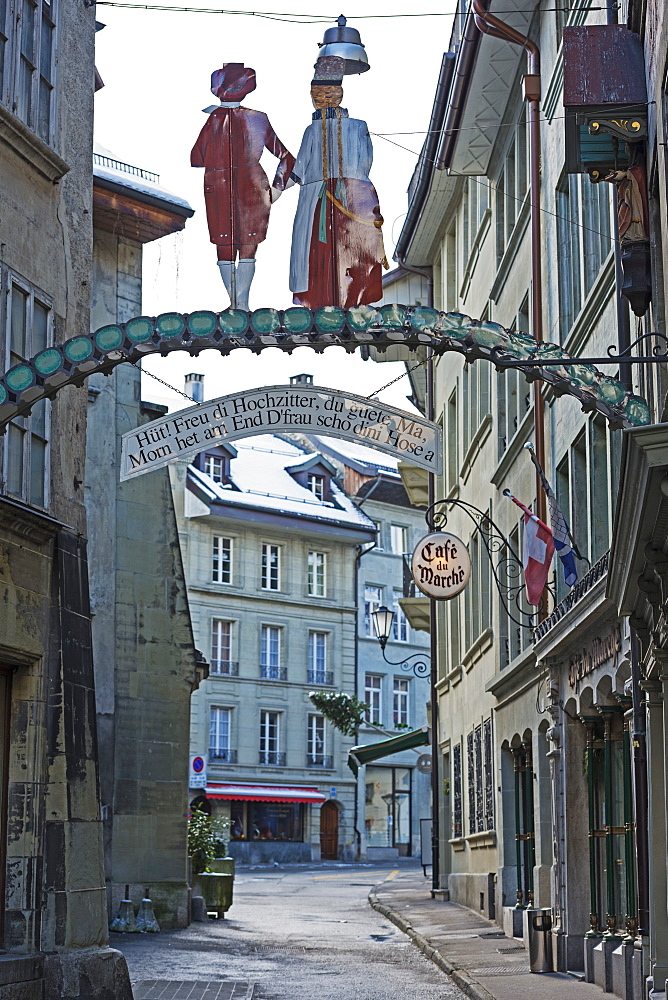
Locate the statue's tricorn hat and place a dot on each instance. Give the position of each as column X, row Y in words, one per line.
column 329, row 71
column 233, row 82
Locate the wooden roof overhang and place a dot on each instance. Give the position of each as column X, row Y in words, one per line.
column 134, row 214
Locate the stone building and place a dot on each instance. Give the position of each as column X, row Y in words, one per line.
column 534, row 724
column 393, row 796
column 54, row 923
column 269, row 540
column 143, row 652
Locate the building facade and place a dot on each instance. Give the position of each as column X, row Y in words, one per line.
column 535, row 717
column 54, row 921
column 269, row 541
column 145, row 661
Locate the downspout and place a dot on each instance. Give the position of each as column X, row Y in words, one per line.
column 433, row 644
column 427, row 157
column 491, row 25
column 356, row 571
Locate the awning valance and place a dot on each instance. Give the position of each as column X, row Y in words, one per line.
column 264, row 793
column 358, row 756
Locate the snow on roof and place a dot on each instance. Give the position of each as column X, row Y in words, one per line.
column 259, row 473
column 377, row 461
column 107, row 166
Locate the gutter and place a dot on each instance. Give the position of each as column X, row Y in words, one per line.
column 466, row 56
column 427, row 156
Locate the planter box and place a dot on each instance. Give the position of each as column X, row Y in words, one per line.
column 217, row 891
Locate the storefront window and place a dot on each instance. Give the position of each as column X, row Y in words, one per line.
column 282, row 821
column 388, row 807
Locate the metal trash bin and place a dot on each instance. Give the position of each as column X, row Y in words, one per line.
column 540, row 941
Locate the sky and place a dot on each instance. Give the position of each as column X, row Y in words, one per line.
column 156, row 67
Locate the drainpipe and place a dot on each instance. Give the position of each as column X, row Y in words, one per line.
column 640, row 788
column 356, row 575
column 491, row 25
column 433, row 644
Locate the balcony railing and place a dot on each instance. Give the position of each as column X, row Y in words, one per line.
column 228, row 667
column 269, row 673
column 319, row 760
column 325, row 677
column 272, row 757
column 107, row 161
column 575, row 594
column 217, row 756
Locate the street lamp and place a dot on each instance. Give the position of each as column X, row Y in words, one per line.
column 383, row 620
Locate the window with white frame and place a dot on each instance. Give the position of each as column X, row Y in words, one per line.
column 27, row 31
column 476, row 384
column 221, row 646
column 379, row 534
column 214, row 466
column 316, row 740
column 317, row 658
column 317, row 582
column 398, row 539
column 513, row 391
column 270, row 653
column 29, row 321
column 584, row 240
column 400, row 693
column 452, row 440
column 269, row 738
column 399, row 622
column 271, row 567
column 372, row 692
column 316, row 484
column 221, row 559
column 586, row 481
column 372, row 601
column 511, row 184
column 478, row 611
column 219, row 733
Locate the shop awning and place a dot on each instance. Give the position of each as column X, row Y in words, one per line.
column 374, row 751
column 264, row 793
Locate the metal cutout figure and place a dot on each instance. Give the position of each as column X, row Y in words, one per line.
column 236, row 189
column 337, row 242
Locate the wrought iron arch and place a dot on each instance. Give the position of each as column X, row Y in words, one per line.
column 70, row 363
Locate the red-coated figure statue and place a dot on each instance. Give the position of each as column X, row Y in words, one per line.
column 236, row 189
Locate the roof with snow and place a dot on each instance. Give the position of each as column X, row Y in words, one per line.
column 367, row 461
column 260, row 479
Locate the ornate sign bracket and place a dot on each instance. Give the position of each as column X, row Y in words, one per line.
column 505, row 563
column 71, row 363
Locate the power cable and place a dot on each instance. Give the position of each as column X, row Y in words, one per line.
column 323, row 18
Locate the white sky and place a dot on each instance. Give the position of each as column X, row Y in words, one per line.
column 156, row 66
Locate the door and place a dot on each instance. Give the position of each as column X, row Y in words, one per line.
column 329, row 832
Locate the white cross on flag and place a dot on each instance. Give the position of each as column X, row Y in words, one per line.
column 538, row 552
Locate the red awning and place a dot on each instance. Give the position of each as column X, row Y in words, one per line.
column 264, row 793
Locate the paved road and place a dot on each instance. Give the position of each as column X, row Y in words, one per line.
column 292, row 933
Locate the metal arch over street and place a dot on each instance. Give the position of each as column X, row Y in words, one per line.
column 70, row 363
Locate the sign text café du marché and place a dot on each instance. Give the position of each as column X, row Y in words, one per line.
column 282, row 409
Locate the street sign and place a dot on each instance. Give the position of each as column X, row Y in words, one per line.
column 332, row 793
column 282, row 409
column 441, row 565
column 197, row 772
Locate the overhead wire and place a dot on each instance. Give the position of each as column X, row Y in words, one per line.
column 324, row 18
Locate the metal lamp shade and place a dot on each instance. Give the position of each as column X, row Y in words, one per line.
column 382, row 623
column 346, row 43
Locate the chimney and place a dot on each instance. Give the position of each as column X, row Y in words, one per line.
column 195, row 387
column 302, row 379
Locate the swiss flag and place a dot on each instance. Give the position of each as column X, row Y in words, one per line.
column 538, row 552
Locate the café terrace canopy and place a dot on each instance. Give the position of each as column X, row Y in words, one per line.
column 264, row 793
column 358, row 756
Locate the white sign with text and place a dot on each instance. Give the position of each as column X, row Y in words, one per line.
column 441, row 565
column 281, row 409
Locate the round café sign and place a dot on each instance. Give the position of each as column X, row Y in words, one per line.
column 441, row 565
